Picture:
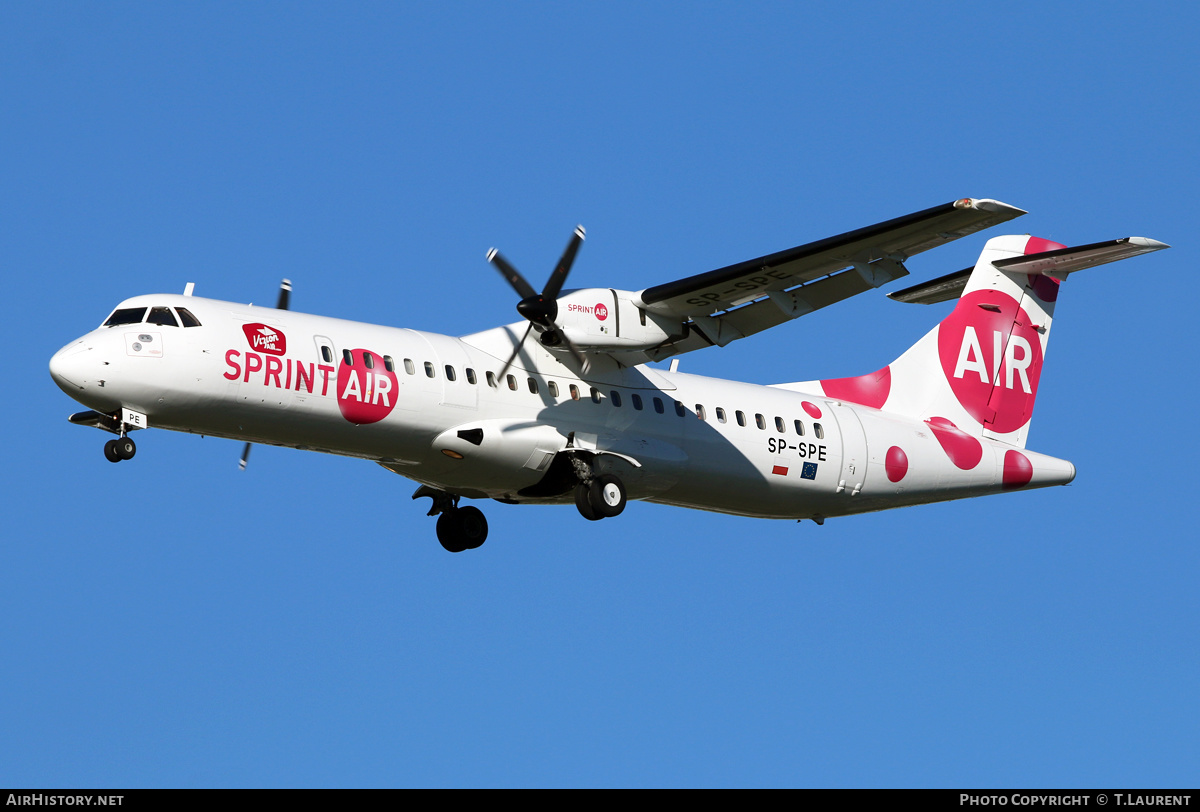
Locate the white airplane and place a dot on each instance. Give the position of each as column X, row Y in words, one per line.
column 578, row 415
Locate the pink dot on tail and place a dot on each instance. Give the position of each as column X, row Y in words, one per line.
column 1037, row 245
column 869, row 390
column 895, row 463
column 1017, row 469
column 813, row 411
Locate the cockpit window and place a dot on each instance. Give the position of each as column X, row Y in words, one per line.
column 126, row 315
column 162, row 316
column 187, row 318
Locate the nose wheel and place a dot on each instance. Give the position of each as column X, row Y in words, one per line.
column 120, row 449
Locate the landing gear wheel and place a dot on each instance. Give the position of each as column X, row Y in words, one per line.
column 110, row 452
column 125, row 448
column 474, row 526
column 461, row 529
column 606, row 495
column 583, row 501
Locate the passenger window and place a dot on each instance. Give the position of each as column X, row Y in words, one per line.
column 799, row 428
column 595, row 395
column 450, row 376
column 512, row 382
column 760, row 421
column 368, row 360
column 779, row 425
column 429, row 370
column 187, row 318
column 817, row 430
column 491, row 379
column 574, row 392
column 533, row 387
column 720, row 415
column 658, row 405
column 741, row 417
column 553, row 388
column 616, row 398
column 129, row 315
column 162, row 316
column 348, row 357
column 471, row 376
column 410, row 367
column 679, row 410
column 700, row 411
column 389, row 363
column 637, row 401
column 327, row 353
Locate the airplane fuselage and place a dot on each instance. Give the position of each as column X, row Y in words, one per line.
column 432, row 408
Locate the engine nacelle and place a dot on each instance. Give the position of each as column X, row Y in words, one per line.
column 607, row 319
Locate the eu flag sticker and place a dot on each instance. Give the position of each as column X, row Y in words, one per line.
column 809, row 471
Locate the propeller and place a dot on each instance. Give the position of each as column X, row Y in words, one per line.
column 285, row 298
column 540, row 309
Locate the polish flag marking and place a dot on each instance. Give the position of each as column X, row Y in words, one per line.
column 781, row 470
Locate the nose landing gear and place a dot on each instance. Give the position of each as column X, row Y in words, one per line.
column 120, row 423
column 119, row 449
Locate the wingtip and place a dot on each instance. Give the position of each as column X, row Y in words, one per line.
column 989, row 205
column 1148, row 244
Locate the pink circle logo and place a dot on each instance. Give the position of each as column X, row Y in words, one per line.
column 991, row 354
column 601, row 312
column 366, row 388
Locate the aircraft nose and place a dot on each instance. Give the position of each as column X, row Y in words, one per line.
column 66, row 367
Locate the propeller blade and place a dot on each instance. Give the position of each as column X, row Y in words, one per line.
column 285, row 297
column 555, row 283
column 285, row 294
column 516, row 351
column 523, row 288
column 574, row 350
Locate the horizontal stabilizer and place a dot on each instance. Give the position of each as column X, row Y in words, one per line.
column 1056, row 264
column 1060, row 262
column 942, row 289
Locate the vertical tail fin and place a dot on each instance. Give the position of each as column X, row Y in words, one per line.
column 980, row 367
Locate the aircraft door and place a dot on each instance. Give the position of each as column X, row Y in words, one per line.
column 853, row 475
column 451, row 365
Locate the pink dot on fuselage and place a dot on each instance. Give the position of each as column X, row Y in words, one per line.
column 812, row 410
column 963, row 450
column 1018, row 470
column 895, row 463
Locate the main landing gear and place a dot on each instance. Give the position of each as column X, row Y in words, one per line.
column 458, row 528
column 600, row 497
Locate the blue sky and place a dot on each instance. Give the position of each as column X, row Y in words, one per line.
column 173, row 622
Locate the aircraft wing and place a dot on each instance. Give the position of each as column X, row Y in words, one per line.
column 739, row 300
